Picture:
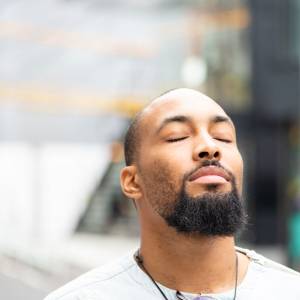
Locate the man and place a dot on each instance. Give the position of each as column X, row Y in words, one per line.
column 184, row 173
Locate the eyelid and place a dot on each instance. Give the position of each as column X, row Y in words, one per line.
column 177, row 139
column 224, row 140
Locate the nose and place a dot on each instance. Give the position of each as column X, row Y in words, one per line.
column 206, row 149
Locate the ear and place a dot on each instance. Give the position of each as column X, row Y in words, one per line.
column 130, row 183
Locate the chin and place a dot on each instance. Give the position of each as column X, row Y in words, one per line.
column 217, row 188
column 212, row 188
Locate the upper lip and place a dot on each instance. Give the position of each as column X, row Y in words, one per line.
column 210, row 170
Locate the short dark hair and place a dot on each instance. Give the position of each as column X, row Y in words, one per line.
column 132, row 137
column 132, row 140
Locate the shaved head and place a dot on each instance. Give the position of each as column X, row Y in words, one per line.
column 132, row 140
column 135, row 129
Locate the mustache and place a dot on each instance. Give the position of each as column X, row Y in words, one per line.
column 207, row 163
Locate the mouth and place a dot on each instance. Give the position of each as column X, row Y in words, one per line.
column 210, row 175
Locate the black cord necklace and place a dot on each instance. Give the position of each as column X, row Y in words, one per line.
column 139, row 260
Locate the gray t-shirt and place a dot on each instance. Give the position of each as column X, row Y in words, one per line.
column 123, row 279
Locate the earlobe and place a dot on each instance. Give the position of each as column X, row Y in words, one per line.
column 129, row 182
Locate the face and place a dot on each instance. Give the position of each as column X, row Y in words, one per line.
column 189, row 161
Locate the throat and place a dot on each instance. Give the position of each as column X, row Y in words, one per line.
column 214, row 270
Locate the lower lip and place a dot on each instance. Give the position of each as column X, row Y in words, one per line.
column 210, row 179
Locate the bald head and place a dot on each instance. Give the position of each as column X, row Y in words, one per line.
column 179, row 94
column 162, row 104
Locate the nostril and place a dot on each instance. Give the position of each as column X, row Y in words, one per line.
column 203, row 154
column 216, row 154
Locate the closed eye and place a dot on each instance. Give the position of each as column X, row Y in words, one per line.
column 176, row 139
column 223, row 140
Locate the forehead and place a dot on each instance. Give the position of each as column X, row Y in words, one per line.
column 194, row 105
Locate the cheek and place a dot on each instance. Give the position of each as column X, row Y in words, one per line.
column 158, row 172
column 158, row 177
column 233, row 161
column 239, row 170
column 164, row 161
column 159, row 187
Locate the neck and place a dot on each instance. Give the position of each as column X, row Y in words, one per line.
column 195, row 264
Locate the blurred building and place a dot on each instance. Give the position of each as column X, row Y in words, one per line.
column 275, row 89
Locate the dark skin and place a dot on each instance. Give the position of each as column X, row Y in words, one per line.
column 179, row 130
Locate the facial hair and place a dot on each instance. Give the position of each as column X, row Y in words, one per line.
column 213, row 213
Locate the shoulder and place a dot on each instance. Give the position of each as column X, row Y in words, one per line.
column 272, row 273
column 268, row 263
column 108, row 276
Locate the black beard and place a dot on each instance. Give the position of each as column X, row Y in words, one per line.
column 211, row 214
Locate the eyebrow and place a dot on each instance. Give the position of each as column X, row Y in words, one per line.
column 186, row 119
column 221, row 119
column 178, row 118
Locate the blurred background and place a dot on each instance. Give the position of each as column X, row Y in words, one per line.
column 73, row 73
